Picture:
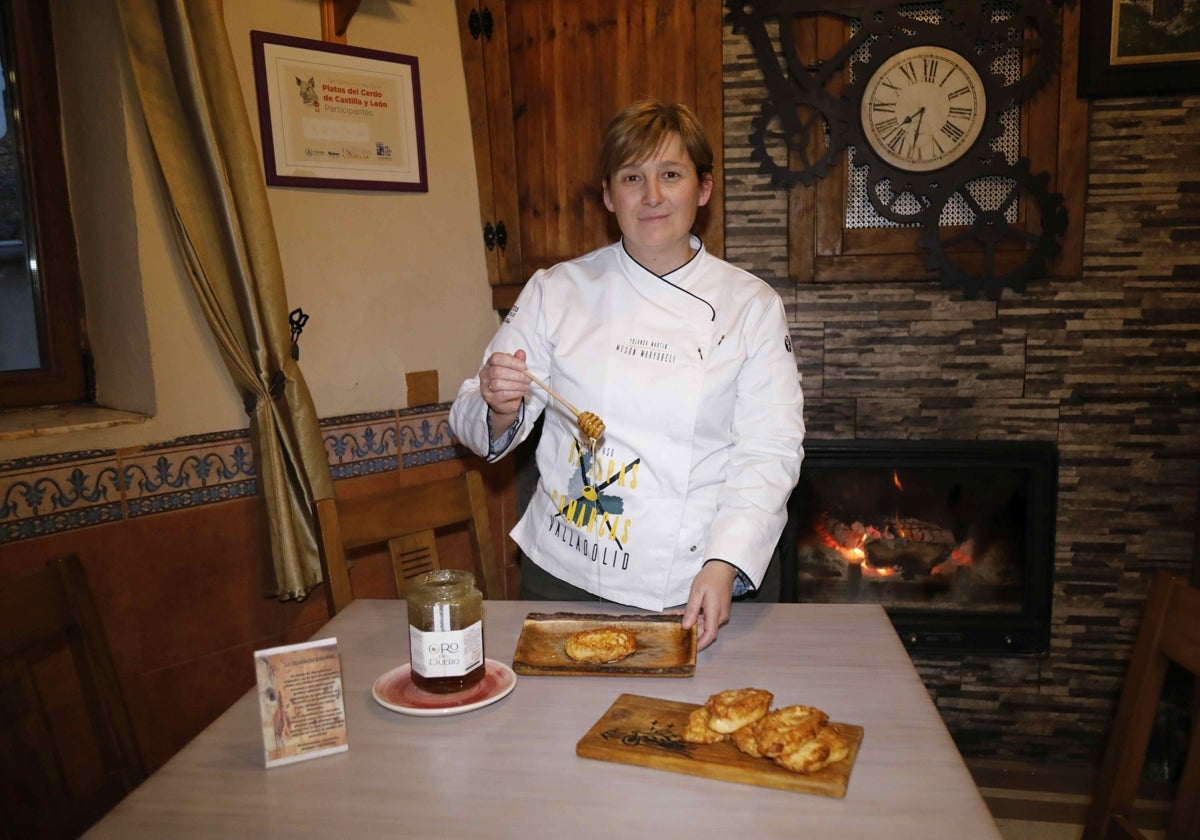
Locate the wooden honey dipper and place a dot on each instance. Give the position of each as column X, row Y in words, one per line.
column 591, row 425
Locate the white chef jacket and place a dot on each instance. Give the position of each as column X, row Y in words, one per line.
column 694, row 378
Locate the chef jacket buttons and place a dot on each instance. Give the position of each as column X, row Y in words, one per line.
column 693, row 548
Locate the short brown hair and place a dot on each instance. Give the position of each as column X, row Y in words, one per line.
column 639, row 130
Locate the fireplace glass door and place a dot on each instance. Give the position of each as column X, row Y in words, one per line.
column 954, row 539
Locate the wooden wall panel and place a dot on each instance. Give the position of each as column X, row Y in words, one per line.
column 181, row 595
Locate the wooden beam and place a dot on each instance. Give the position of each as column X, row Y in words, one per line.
column 335, row 19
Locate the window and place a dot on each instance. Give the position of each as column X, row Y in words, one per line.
column 43, row 355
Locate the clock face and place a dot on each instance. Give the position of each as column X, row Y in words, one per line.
column 923, row 108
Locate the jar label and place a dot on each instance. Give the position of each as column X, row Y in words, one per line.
column 446, row 653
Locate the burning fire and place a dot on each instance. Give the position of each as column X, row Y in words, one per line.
column 913, row 544
column 851, row 545
column 856, row 555
column 960, row 556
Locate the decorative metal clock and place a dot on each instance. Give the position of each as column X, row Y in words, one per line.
column 922, row 109
column 925, row 90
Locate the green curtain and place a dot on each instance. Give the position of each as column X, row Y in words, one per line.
column 192, row 102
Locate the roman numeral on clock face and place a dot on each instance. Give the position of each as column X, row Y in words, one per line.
column 952, row 131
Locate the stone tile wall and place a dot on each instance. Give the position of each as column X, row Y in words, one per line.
column 1106, row 365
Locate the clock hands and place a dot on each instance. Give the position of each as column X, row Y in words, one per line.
column 920, row 112
column 919, row 115
column 916, row 132
column 916, row 149
column 896, row 132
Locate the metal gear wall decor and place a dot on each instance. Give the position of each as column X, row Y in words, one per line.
column 925, row 89
column 991, row 226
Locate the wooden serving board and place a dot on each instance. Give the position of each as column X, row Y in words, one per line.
column 664, row 648
column 646, row 731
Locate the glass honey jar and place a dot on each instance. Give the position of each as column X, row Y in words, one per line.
column 445, row 631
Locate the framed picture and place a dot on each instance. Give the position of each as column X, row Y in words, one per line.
column 338, row 117
column 1139, row 47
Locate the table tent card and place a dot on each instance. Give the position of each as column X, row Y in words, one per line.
column 300, row 697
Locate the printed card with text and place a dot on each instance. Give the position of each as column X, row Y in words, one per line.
column 300, row 697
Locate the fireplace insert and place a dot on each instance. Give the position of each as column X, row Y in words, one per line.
column 955, row 539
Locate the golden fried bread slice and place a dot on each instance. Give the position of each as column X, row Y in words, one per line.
column 832, row 737
column 730, row 710
column 787, row 728
column 806, row 757
column 601, row 645
column 698, row 731
column 745, row 741
column 827, row 747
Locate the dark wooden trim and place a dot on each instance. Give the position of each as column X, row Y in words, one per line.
column 1054, row 126
column 335, row 19
column 62, row 377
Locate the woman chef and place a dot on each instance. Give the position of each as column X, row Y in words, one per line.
column 686, row 360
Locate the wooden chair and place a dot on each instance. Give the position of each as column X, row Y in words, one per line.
column 405, row 520
column 67, row 749
column 1170, row 632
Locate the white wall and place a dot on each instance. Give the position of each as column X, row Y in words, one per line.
column 392, row 282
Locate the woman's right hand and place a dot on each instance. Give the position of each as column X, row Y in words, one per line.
column 503, row 383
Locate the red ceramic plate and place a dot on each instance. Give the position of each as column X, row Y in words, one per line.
column 395, row 690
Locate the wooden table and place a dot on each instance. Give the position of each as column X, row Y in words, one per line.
column 510, row 769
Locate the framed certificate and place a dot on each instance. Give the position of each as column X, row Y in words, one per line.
column 338, row 117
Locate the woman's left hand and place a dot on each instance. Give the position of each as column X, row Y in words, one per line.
column 708, row 604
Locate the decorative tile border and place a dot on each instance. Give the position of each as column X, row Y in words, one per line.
column 49, row 494
column 188, row 472
column 45, row 495
column 426, row 438
column 361, row 444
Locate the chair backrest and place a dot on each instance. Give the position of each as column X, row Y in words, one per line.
column 67, row 749
column 1170, row 632
column 405, row 520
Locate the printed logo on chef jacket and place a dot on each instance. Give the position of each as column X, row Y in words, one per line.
column 512, row 313
column 650, row 349
column 787, row 342
column 590, row 512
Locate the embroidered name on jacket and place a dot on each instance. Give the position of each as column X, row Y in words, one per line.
column 645, row 348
